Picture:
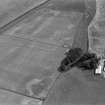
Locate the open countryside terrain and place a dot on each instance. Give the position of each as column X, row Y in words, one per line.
column 32, row 49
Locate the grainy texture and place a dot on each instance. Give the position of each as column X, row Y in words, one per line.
column 77, row 88
column 11, row 9
column 97, row 29
column 31, row 50
column 8, row 98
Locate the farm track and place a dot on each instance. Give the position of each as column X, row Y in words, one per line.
column 14, row 22
column 23, row 16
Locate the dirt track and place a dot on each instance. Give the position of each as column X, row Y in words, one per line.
column 31, row 49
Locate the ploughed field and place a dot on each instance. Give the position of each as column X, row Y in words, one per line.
column 32, row 49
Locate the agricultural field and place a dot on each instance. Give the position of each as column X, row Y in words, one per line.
column 34, row 36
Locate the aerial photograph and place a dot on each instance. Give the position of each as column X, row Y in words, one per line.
column 52, row 52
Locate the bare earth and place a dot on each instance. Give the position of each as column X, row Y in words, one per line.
column 10, row 9
column 31, row 51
